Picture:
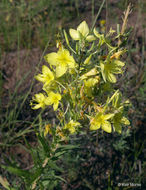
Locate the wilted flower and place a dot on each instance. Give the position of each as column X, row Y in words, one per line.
column 47, row 129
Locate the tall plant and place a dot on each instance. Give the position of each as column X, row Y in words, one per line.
column 79, row 83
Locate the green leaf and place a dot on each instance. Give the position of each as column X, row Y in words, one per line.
column 17, row 171
column 66, row 37
column 118, row 127
column 67, row 147
column 106, row 126
column 44, row 145
column 58, row 154
column 33, row 176
column 52, row 165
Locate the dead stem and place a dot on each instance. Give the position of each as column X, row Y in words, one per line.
column 125, row 20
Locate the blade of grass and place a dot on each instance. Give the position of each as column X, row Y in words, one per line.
column 97, row 15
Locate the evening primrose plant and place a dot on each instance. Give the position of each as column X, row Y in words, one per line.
column 75, row 80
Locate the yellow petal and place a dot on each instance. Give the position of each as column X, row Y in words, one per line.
column 106, row 126
column 71, row 63
column 55, row 106
column 108, row 116
column 90, row 38
column 94, row 127
column 37, row 106
column 40, row 101
column 51, row 58
column 83, row 28
column 60, row 70
column 72, row 130
column 125, row 121
column 58, row 96
column 46, row 70
column 74, row 34
column 39, row 97
column 48, row 100
column 40, row 78
column 95, row 124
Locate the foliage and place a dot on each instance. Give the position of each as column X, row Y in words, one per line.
column 79, row 84
column 29, row 23
column 76, row 84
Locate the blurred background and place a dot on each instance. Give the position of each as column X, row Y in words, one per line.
column 28, row 30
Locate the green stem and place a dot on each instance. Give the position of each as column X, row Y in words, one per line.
column 101, row 6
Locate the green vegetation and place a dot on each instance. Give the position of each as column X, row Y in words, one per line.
column 69, row 149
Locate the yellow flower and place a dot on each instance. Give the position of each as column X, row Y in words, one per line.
column 108, row 69
column 46, row 77
column 71, row 126
column 62, row 60
column 53, row 98
column 100, row 121
column 50, row 87
column 102, row 22
column 40, row 101
column 81, row 32
column 118, row 120
column 102, row 25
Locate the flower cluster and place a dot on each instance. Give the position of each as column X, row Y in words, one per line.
column 62, row 62
column 75, row 83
